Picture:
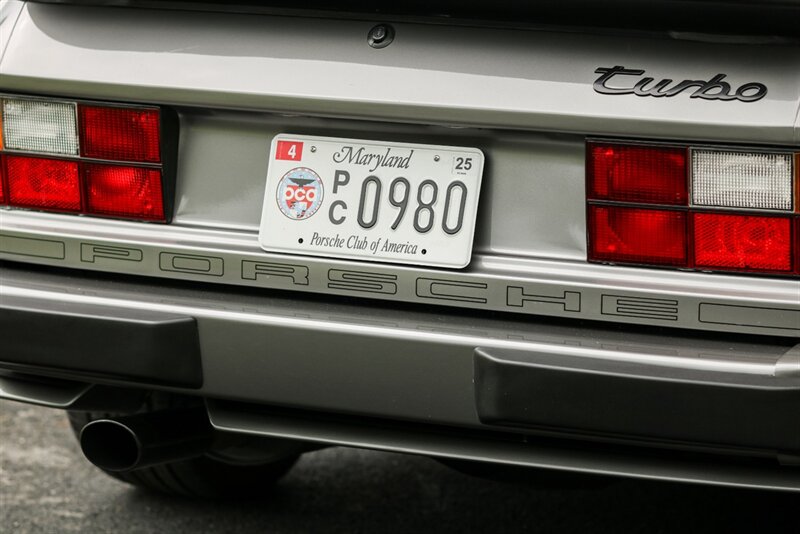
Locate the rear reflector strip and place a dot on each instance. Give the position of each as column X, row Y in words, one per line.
column 85, row 158
column 742, row 180
column 639, row 212
column 45, row 127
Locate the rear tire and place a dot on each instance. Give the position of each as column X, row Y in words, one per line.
column 204, row 477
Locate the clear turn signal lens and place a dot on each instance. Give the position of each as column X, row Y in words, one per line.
column 749, row 180
column 44, row 127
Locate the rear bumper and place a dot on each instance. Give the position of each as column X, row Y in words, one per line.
column 496, row 377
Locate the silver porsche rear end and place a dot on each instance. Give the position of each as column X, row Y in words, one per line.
column 541, row 351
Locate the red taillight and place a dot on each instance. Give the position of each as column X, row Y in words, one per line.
column 2, row 179
column 796, row 243
column 92, row 159
column 634, row 235
column 742, row 242
column 633, row 173
column 43, row 183
column 119, row 134
column 739, row 217
column 123, row 191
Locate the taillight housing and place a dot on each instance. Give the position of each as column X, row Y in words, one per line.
column 706, row 208
column 87, row 158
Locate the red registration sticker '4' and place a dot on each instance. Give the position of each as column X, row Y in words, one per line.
column 291, row 150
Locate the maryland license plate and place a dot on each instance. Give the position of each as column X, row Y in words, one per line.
column 371, row 200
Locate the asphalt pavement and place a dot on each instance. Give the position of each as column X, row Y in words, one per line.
column 46, row 486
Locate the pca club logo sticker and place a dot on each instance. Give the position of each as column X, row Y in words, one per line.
column 300, row 193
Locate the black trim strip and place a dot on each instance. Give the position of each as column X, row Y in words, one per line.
column 139, row 346
column 652, row 402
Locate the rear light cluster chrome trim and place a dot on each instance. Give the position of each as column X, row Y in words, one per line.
column 136, row 147
column 749, row 239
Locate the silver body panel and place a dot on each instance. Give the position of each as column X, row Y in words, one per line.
column 431, row 74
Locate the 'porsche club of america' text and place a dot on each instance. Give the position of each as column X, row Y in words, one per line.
column 358, row 242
